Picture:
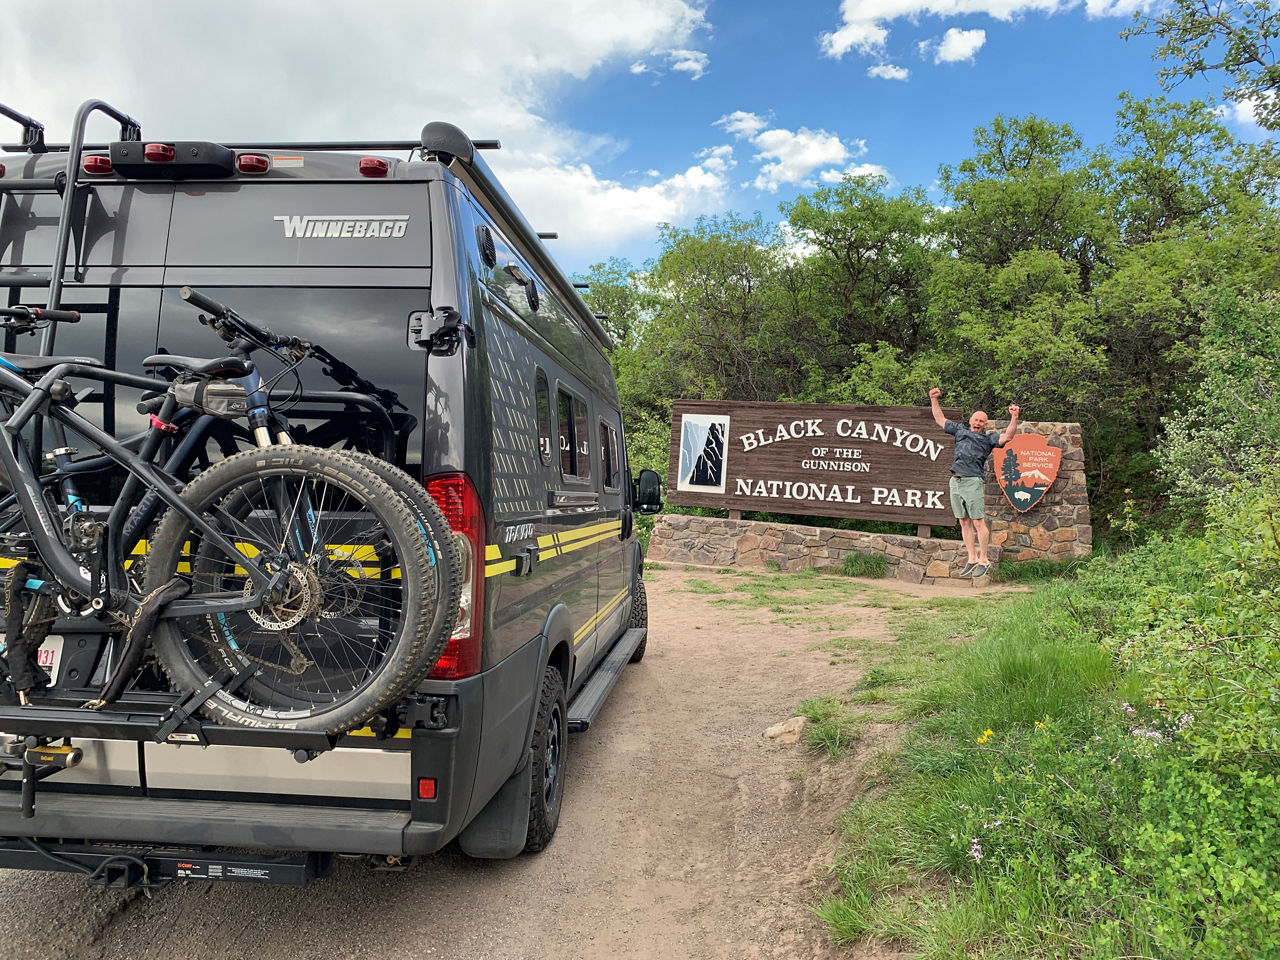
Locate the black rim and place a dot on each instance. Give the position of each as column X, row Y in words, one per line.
column 551, row 760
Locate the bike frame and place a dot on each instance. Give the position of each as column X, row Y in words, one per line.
column 15, row 461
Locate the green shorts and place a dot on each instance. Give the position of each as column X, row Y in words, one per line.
column 968, row 497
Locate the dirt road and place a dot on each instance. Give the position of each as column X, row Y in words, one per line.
column 684, row 834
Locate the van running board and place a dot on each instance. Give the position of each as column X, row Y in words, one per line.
column 591, row 697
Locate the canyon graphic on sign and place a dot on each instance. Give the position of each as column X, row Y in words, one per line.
column 1025, row 468
column 702, row 453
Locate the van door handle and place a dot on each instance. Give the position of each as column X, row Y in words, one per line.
column 525, row 559
column 572, row 498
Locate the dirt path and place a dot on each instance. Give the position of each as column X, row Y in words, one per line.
column 684, row 834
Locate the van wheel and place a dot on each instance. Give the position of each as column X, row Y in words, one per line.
column 546, row 766
column 639, row 618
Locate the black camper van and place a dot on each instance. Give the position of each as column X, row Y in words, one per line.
column 450, row 345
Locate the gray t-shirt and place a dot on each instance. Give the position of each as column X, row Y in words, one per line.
column 972, row 449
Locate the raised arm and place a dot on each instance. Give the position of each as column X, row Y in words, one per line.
column 1012, row 428
column 938, row 415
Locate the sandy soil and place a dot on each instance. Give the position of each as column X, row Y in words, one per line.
column 685, row 833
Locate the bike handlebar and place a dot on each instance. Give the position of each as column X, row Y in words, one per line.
column 36, row 314
column 224, row 317
column 222, row 314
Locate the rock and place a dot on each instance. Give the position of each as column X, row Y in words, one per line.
column 788, row 731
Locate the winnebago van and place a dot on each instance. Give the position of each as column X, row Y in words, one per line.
column 448, row 343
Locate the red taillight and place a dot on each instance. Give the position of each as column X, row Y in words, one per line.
column 96, row 163
column 253, row 163
column 374, row 167
column 460, row 503
column 158, row 152
column 426, row 788
column 1, row 169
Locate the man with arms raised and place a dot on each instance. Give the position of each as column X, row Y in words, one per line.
column 973, row 447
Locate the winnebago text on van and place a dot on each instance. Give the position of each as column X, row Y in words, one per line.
column 425, row 331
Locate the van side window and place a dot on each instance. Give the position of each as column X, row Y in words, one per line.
column 609, row 457
column 543, row 401
column 575, row 449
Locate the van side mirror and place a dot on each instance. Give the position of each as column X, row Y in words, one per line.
column 646, row 492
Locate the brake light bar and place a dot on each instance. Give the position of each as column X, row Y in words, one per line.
column 458, row 500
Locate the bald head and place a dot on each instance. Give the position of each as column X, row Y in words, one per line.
column 978, row 422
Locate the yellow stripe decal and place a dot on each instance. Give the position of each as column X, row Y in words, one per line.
column 367, row 732
column 554, row 545
column 591, row 624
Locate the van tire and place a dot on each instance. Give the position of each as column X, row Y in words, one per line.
column 547, row 755
column 191, row 660
column 639, row 618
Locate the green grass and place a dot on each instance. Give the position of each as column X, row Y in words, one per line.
column 1028, row 812
column 871, row 565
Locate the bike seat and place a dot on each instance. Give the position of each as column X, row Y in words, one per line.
column 201, row 366
column 29, row 364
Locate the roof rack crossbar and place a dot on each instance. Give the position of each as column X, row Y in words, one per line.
column 32, row 130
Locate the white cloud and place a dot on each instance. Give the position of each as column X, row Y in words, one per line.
column 788, row 156
column 888, row 71
column 718, row 159
column 605, row 214
column 959, row 45
column 1242, row 113
column 864, row 24
column 331, row 70
column 742, row 124
column 692, row 62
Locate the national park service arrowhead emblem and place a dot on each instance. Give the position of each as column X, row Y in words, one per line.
column 1026, row 467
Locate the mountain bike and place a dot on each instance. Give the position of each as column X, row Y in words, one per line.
column 288, row 586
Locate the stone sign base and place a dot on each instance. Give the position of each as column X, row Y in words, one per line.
column 749, row 543
column 1056, row 528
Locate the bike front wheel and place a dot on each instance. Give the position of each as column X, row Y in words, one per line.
column 347, row 632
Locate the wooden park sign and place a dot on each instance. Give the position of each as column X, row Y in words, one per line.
column 809, row 459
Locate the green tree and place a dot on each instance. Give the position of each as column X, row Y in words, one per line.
column 1225, row 432
column 725, row 310
column 871, row 260
column 1029, row 186
column 1229, row 37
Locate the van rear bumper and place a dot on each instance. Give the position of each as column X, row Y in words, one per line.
column 257, row 826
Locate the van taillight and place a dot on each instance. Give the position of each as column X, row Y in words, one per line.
column 158, row 152
column 458, row 500
column 373, row 167
column 253, row 163
column 96, row 163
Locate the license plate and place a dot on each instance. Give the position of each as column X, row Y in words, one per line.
column 49, row 656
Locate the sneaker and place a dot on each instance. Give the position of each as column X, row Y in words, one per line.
column 968, row 569
column 980, row 571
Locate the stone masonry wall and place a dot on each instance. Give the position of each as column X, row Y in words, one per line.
column 1055, row 528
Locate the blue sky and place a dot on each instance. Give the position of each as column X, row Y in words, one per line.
column 614, row 115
